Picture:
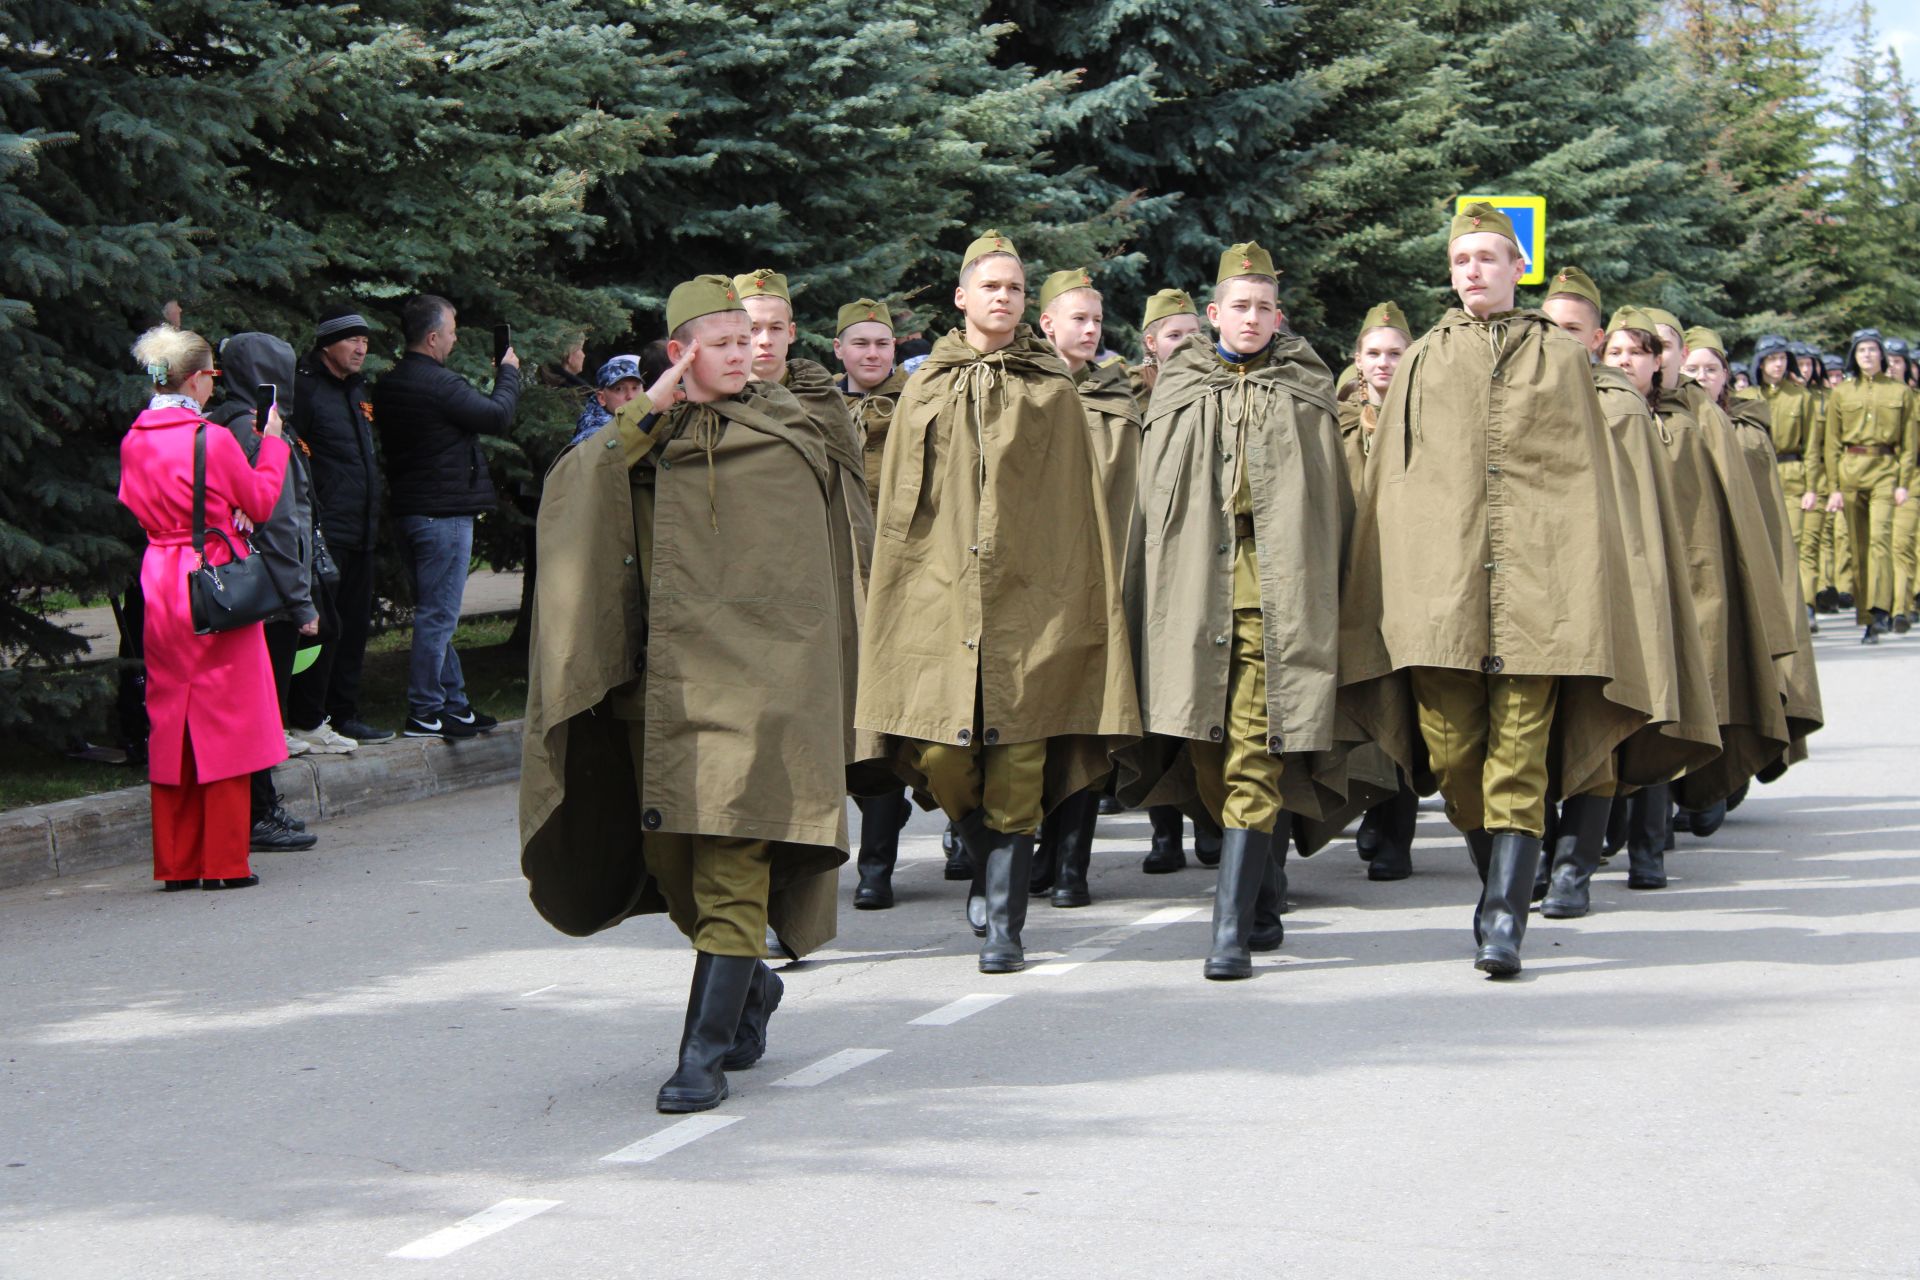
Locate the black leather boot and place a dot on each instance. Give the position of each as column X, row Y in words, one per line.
column 1269, row 931
column 1393, row 858
column 881, row 818
column 1480, row 849
column 1738, row 798
column 1704, row 822
column 975, row 842
column 1054, row 832
column 959, row 867
column 1552, row 825
column 714, row 1005
column 1166, row 855
column 1206, row 841
column 1576, row 855
column 1647, row 838
column 1619, row 817
column 1077, row 819
column 1246, row 859
column 1503, row 903
column 1009, row 863
column 750, row 1041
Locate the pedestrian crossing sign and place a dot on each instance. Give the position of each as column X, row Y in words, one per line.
column 1529, row 217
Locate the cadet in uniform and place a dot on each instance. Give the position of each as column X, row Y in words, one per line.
column 863, row 344
column 1869, row 440
column 1487, row 553
column 1170, row 319
column 1792, row 422
column 688, row 729
column 1906, row 517
column 1072, row 317
column 995, row 654
column 1245, row 506
column 1385, row 838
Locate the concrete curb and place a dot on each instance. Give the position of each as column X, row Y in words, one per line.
column 114, row 828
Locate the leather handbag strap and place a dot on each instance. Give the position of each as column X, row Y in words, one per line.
column 200, row 492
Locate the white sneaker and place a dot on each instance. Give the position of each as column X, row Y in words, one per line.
column 296, row 747
column 323, row 741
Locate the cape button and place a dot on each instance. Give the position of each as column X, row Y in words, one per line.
column 1219, row 640
column 1273, row 746
column 993, row 737
column 650, row 819
column 627, row 560
column 1214, row 734
column 964, row 737
column 1493, row 666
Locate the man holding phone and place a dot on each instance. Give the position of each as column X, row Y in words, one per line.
column 430, row 421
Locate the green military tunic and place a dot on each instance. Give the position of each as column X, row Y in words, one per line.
column 1794, row 430
column 1870, row 451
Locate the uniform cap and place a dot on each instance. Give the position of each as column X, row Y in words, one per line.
column 988, row 242
column 1168, row 302
column 764, row 283
column 1572, row 282
column 1247, row 259
column 1386, row 315
column 1481, row 216
column 1064, row 282
column 862, row 311
column 700, row 296
column 1700, row 337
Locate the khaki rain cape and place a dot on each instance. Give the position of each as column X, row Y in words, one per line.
column 994, row 573
column 1488, row 539
column 740, row 654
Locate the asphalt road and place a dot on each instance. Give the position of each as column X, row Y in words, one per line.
column 382, row 1063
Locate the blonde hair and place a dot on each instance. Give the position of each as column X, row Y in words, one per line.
column 170, row 356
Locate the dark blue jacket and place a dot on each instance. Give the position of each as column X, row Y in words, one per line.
column 430, row 420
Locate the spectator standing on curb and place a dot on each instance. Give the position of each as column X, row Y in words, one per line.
column 430, row 421
column 211, row 697
column 285, row 541
column 332, row 416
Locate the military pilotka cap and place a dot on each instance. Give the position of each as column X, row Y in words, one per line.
column 1064, row 282
column 1632, row 318
column 1481, row 216
column 1572, row 282
column 1386, row 315
column 990, row 242
column 862, row 311
column 700, row 296
column 764, row 283
column 1701, row 338
column 1247, row 259
column 1168, row 302
column 1666, row 318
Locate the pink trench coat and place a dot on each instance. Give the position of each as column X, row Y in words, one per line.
column 217, row 690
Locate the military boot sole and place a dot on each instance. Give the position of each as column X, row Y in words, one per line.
column 1066, row 898
column 676, row 1102
column 873, row 897
column 1563, row 909
column 1497, row 962
column 1227, row 968
column 1002, row 962
column 1158, row 865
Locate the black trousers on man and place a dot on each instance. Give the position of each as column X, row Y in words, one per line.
column 331, row 686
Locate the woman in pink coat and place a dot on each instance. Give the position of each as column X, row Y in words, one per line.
column 215, row 713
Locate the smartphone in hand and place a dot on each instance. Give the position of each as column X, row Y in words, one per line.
column 265, row 396
column 502, row 341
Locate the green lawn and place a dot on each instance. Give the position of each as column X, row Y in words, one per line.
column 496, row 674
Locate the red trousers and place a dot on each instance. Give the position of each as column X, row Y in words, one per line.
column 201, row 829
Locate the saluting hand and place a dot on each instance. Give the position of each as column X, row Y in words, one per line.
column 666, row 392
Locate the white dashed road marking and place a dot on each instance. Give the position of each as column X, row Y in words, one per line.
column 965, row 1007
column 468, row 1230
column 829, row 1067
column 671, row 1138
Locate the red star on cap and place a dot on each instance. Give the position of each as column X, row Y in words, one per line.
column 1476, row 222
column 1246, row 264
column 873, row 315
column 729, row 295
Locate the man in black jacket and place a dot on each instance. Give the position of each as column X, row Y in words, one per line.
column 430, row 421
column 331, row 418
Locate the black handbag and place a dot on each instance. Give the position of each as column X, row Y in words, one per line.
column 228, row 596
column 326, row 570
